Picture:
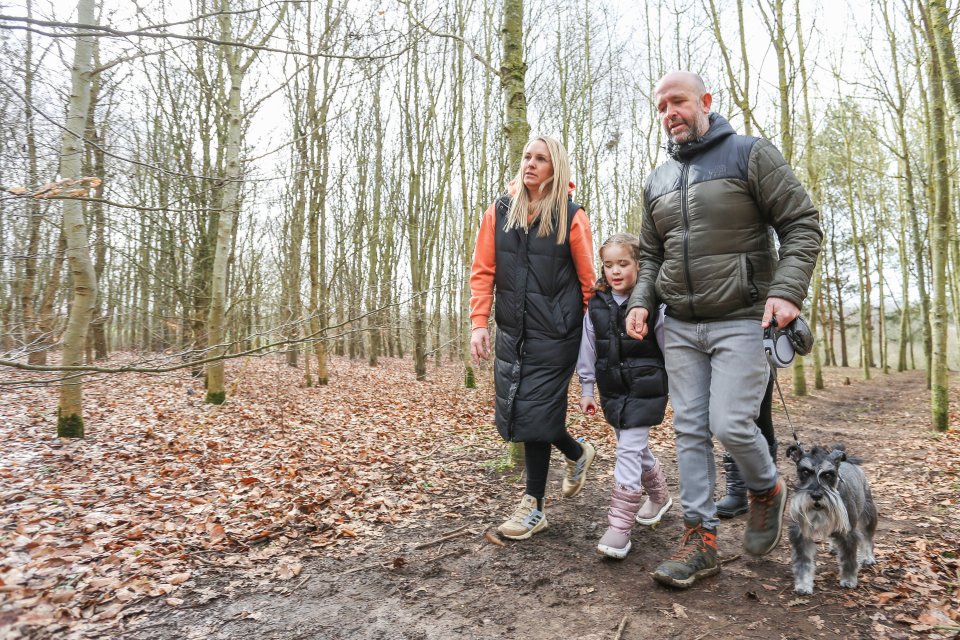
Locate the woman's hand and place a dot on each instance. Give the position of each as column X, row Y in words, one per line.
column 588, row 405
column 480, row 345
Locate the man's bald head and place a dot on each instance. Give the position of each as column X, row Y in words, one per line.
column 683, row 105
column 689, row 79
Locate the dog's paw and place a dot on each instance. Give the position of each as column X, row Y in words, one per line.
column 849, row 583
column 803, row 589
column 869, row 561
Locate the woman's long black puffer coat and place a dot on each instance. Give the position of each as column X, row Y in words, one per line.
column 539, row 313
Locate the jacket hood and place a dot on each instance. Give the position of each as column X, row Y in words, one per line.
column 719, row 129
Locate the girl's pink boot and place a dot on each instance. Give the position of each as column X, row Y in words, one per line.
column 624, row 505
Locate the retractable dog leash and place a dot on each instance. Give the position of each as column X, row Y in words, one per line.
column 780, row 346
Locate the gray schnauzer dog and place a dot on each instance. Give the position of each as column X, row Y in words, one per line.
column 831, row 501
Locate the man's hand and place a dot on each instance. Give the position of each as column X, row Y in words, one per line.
column 480, row 345
column 785, row 311
column 637, row 323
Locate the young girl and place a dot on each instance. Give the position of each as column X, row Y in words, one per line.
column 534, row 254
column 633, row 384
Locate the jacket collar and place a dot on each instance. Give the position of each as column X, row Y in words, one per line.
column 719, row 129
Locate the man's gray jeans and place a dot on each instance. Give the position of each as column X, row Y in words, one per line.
column 717, row 375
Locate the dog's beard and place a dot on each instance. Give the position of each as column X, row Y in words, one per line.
column 814, row 522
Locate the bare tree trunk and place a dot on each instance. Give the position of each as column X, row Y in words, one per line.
column 939, row 382
column 513, row 73
column 904, row 328
column 374, row 230
column 739, row 89
column 45, row 312
column 939, row 29
column 229, row 209
column 841, row 316
column 230, row 202
column 70, row 410
column 35, row 341
column 96, row 164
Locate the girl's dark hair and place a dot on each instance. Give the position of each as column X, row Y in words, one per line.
column 628, row 240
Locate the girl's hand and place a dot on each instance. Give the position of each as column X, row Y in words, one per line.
column 588, row 405
column 480, row 345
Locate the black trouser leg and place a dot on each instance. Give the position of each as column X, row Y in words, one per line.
column 537, row 463
column 536, row 459
column 569, row 447
column 765, row 419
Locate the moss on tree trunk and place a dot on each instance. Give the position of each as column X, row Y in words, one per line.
column 69, row 426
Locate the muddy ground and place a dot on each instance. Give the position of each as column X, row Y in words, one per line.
column 556, row 586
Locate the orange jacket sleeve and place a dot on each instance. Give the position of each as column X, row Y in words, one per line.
column 581, row 248
column 485, row 264
column 483, row 270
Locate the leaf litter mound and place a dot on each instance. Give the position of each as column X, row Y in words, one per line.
column 164, row 484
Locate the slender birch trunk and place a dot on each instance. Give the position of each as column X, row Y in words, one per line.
column 513, row 73
column 36, row 342
column 229, row 209
column 939, row 382
column 70, row 410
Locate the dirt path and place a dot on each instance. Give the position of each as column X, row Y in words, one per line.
column 556, row 586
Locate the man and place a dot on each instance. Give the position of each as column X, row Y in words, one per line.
column 709, row 255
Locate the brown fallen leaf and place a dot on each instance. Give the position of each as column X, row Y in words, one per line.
column 179, row 578
column 285, row 570
column 62, row 595
column 217, row 532
column 492, row 539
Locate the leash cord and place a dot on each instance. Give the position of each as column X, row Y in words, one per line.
column 785, row 410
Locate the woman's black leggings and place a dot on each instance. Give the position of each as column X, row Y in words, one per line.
column 537, row 461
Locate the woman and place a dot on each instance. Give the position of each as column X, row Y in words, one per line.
column 534, row 256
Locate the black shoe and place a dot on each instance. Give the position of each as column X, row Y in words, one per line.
column 735, row 502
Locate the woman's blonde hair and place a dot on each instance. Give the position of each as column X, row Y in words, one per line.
column 552, row 208
column 627, row 240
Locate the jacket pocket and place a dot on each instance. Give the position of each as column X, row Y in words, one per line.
column 646, row 380
column 562, row 322
column 749, row 294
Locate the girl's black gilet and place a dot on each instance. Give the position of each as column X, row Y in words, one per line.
column 630, row 373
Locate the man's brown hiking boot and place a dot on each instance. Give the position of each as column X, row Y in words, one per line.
column 765, row 520
column 696, row 558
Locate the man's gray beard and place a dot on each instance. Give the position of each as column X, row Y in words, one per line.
column 694, row 134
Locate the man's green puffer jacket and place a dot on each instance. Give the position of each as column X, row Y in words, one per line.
column 707, row 247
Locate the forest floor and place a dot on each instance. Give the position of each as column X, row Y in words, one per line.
column 367, row 509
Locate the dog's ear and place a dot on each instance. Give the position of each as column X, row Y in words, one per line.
column 837, row 456
column 794, row 452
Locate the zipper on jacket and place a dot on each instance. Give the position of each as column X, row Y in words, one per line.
column 686, row 229
column 518, row 363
